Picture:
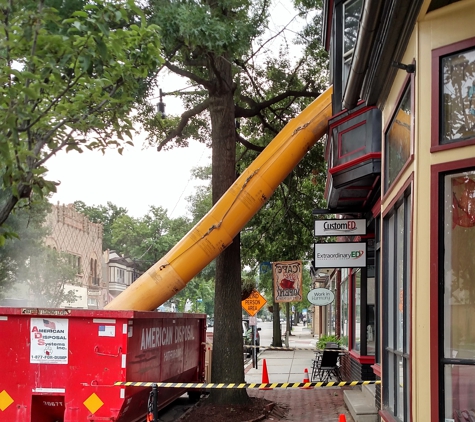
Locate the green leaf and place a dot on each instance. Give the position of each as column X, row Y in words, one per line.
column 80, row 13
column 31, row 93
column 101, row 47
column 103, row 28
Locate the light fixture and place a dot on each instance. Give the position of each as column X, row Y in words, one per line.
column 409, row 68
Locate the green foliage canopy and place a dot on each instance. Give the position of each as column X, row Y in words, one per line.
column 66, row 84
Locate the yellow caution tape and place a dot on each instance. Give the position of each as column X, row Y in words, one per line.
column 276, row 385
column 281, row 348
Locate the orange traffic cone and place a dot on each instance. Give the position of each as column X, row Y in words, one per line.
column 305, row 379
column 342, row 418
column 265, row 376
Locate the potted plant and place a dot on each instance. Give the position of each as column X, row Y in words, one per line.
column 327, row 338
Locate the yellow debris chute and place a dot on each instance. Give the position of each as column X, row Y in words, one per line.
column 231, row 213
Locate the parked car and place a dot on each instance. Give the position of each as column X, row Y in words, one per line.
column 247, row 337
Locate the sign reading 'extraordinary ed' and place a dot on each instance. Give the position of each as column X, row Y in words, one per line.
column 340, row 255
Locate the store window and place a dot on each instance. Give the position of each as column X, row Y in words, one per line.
column 331, row 309
column 398, row 139
column 351, row 13
column 343, row 38
column 396, row 314
column 344, row 320
column 357, row 311
column 374, row 345
column 458, row 96
column 453, row 74
column 458, row 296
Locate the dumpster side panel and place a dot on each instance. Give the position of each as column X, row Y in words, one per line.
column 166, row 348
column 14, row 365
column 61, row 365
column 97, row 351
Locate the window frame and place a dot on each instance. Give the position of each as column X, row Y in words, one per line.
column 337, row 62
column 345, row 287
column 436, row 107
column 389, row 396
column 437, row 359
column 409, row 83
column 378, row 287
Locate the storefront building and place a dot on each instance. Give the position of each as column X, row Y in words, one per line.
column 401, row 154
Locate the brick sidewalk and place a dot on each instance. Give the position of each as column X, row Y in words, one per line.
column 319, row 404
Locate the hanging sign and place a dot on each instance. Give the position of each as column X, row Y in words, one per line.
column 340, row 227
column 340, row 255
column 287, row 281
column 320, row 297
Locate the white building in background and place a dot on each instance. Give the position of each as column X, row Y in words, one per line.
column 118, row 272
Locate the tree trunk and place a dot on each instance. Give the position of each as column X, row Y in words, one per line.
column 228, row 362
column 276, row 326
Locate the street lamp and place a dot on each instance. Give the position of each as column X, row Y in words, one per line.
column 161, row 105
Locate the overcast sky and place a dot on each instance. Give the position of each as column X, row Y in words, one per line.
column 134, row 180
column 141, row 178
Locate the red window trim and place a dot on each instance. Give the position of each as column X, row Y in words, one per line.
column 377, row 369
column 436, row 171
column 408, row 81
column 386, row 416
column 353, row 163
column 363, row 360
column 398, row 195
column 435, row 106
column 340, row 140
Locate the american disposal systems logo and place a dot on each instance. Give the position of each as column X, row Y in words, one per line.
column 338, row 255
column 345, row 226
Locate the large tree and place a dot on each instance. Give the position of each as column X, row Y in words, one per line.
column 216, row 46
column 66, row 84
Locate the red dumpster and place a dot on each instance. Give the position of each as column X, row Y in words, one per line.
column 60, row 365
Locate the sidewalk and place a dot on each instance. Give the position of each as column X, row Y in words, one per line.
column 318, row 404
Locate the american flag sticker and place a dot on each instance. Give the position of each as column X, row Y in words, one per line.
column 106, row 330
column 49, row 324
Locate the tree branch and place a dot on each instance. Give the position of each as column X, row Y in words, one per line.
column 258, row 107
column 248, row 144
column 190, row 75
column 52, row 104
column 269, row 40
column 185, row 117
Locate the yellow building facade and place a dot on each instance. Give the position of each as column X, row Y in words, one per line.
column 408, row 69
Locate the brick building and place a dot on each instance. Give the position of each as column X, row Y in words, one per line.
column 74, row 234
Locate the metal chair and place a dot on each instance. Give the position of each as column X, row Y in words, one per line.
column 316, row 365
column 326, row 367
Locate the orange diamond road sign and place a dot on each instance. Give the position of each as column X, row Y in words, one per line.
column 253, row 304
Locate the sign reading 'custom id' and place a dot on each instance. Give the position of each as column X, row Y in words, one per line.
column 340, row 227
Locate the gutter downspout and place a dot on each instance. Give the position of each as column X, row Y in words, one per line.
column 369, row 23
